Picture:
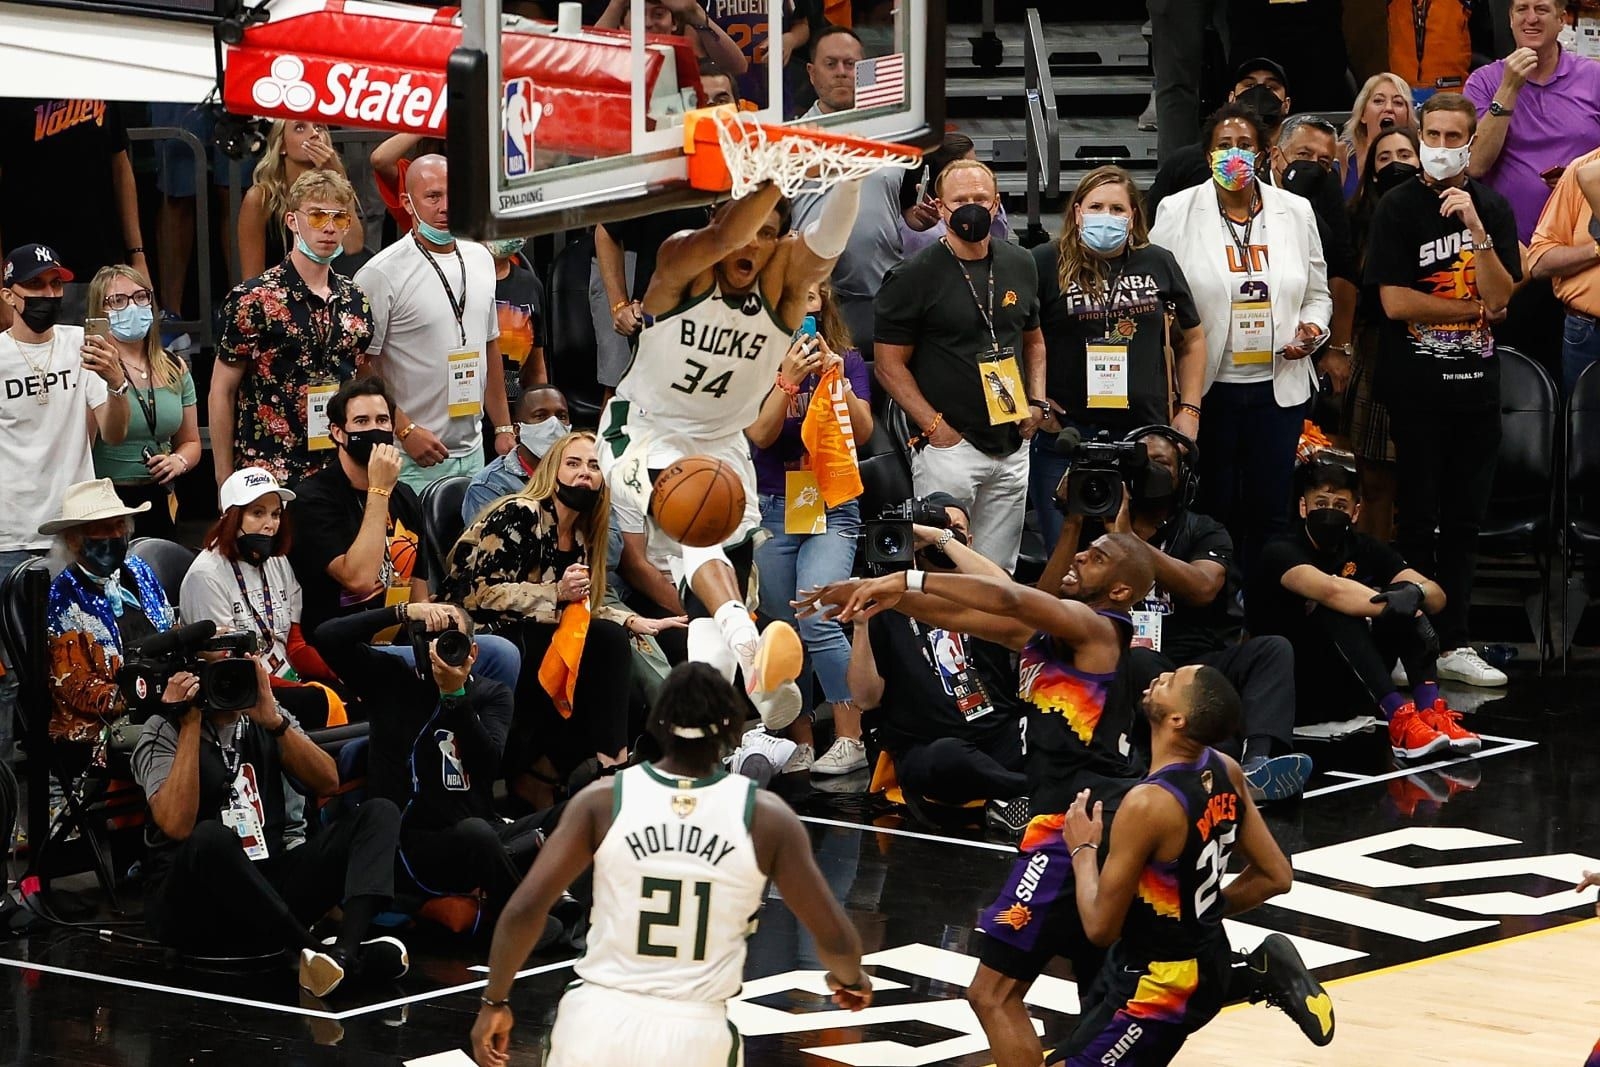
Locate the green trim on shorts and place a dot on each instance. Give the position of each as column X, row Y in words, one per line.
column 736, row 1047
column 616, row 796
column 615, row 435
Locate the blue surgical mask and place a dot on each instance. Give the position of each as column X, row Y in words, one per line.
column 432, row 234
column 131, row 323
column 505, row 248
column 1103, row 233
column 305, row 250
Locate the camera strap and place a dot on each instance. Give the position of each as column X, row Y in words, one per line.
column 267, row 627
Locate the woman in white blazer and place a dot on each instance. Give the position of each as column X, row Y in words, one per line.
column 1254, row 263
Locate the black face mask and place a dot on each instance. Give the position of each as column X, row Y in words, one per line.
column 1155, row 485
column 102, row 556
column 1261, row 102
column 971, row 222
column 254, row 548
column 360, row 443
column 1304, row 177
column 1327, row 528
column 580, row 498
column 39, row 313
column 1395, row 175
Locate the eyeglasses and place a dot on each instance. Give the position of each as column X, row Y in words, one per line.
column 319, row 218
column 118, row 301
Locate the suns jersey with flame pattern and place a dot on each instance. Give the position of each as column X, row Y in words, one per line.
column 1176, row 912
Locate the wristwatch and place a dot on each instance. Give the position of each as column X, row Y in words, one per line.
column 944, row 539
column 512, row 430
column 123, row 391
column 1499, row 110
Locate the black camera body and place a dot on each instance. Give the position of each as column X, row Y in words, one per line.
column 226, row 685
column 891, row 544
column 454, row 646
column 1101, row 470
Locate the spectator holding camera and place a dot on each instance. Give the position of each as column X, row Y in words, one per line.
column 102, row 602
column 1106, row 292
column 523, row 571
column 1351, row 606
column 960, row 351
column 1253, row 258
column 163, row 440
column 242, row 580
column 811, row 544
column 436, row 748
column 229, row 870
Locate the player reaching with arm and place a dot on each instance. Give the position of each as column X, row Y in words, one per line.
column 682, row 853
column 721, row 309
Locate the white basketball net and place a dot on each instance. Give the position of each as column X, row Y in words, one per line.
column 796, row 165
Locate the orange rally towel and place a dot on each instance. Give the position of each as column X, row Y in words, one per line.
column 831, row 441
column 558, row 672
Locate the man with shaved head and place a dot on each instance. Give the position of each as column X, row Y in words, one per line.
column 435, row 336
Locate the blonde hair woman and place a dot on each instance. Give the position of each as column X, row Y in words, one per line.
column 516, row 570
column 163, row 440
column 293, row 148
column 1384, row 103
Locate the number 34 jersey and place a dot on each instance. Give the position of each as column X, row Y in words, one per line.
column 676, row 886
column 1176, row 911
column 703, row 368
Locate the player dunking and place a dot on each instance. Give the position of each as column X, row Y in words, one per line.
column 722, row 306
column 682, row 852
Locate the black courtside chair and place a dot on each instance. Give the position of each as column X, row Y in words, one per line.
column 170, row 561
column 1580, row 496
column 441, row 521
column 1521, row 514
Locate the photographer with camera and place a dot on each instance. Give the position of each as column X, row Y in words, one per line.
column 435, row 749
column 1351, row 606
column 228, row 870
column 1188, row 618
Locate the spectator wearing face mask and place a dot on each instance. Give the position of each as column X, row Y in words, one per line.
column 542, row 420
column 1429, row 260
column 1308, row 35
column 294, row 148
column 1254, row 261
column 1383, row 103
column 1261, row 88
column 519, row 302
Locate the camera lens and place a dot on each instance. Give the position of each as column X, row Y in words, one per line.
column 453, row 647
column 890, row 543
column 229, row 685
column 1097, row 491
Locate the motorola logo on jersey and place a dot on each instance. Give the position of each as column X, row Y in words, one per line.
column 751, row 305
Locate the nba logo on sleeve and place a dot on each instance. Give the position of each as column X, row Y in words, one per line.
column 521, row 118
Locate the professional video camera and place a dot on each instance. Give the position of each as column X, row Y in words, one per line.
column 454, row 646
column 226, row 685
column 891, row 545
column 1093, row 487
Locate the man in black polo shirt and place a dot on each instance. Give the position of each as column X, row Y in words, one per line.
column 1351, row 607
column 959, row 349
column 1189, row 617
column 1443, row 258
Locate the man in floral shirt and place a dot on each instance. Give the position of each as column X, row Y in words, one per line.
column 289, row 339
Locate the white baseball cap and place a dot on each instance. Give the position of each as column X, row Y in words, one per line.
column 247, row 485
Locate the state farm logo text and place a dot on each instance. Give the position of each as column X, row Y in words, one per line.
column 354, row 94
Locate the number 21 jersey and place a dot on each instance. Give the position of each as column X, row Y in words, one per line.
column 676, row 887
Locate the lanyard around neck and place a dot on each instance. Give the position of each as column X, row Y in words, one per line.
column 458, row 307
column 986, row 311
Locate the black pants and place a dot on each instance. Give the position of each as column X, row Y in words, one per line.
column 1247, row 448
column 1261, row 669
column 476, row 854
column 599, row 721
column 953, row 770
column 1340, row 661
column 214, row 899
column 1444, row 465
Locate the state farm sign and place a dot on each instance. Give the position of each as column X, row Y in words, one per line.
column 341, row 93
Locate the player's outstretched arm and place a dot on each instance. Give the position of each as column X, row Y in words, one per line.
column 823, row 239
column 1069, row 620
column 563, row 858
column 1103, row 894
column 784, row 848
column 1267, row 871
column 687, row 255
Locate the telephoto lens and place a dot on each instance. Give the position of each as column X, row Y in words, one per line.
column 453, row 647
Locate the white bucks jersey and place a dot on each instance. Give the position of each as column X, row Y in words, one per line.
column 703, row 368
column 676, row 887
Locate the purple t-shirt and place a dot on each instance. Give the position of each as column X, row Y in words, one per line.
column 785, row 453
column 1551, row 125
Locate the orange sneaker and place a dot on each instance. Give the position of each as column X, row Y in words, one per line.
column 1411, row 737
column 1448, row 722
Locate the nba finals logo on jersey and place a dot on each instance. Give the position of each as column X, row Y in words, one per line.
column 1207, row 782
column 683, row 805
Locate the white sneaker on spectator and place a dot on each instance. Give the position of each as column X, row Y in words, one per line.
column 1466, row 665
column 1399, row 678
column 773, row 750
column 845, row 755
column 804, row 758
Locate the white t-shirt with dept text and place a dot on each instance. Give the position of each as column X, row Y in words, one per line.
column 45, row 395
column 414, row 330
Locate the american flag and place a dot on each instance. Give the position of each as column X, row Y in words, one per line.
column 881, row 80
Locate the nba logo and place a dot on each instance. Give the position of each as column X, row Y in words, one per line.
column 521, row 118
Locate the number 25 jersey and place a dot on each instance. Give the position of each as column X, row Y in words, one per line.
column 676, row 887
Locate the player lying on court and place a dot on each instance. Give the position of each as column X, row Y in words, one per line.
column 1070, row 647
column 721, row 309
column 682, row 852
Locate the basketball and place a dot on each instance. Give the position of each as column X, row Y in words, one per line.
column 698, row 501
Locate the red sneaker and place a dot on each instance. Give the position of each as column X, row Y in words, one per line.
column 1448, row 722
column 1411, row 737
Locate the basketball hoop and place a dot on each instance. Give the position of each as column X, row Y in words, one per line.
column 729, row 151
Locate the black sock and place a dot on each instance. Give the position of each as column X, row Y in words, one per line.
column 358, row 915
column 1255, row 748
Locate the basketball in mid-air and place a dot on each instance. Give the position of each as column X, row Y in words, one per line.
column 698, row 501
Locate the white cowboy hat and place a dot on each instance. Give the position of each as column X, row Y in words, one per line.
column 88, row 502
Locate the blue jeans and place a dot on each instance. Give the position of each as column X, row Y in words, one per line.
column 791, row 562
column 9, row 561
column 1247, row 447
column 497, row 659
column 1580, row 346
column 1045, row 469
